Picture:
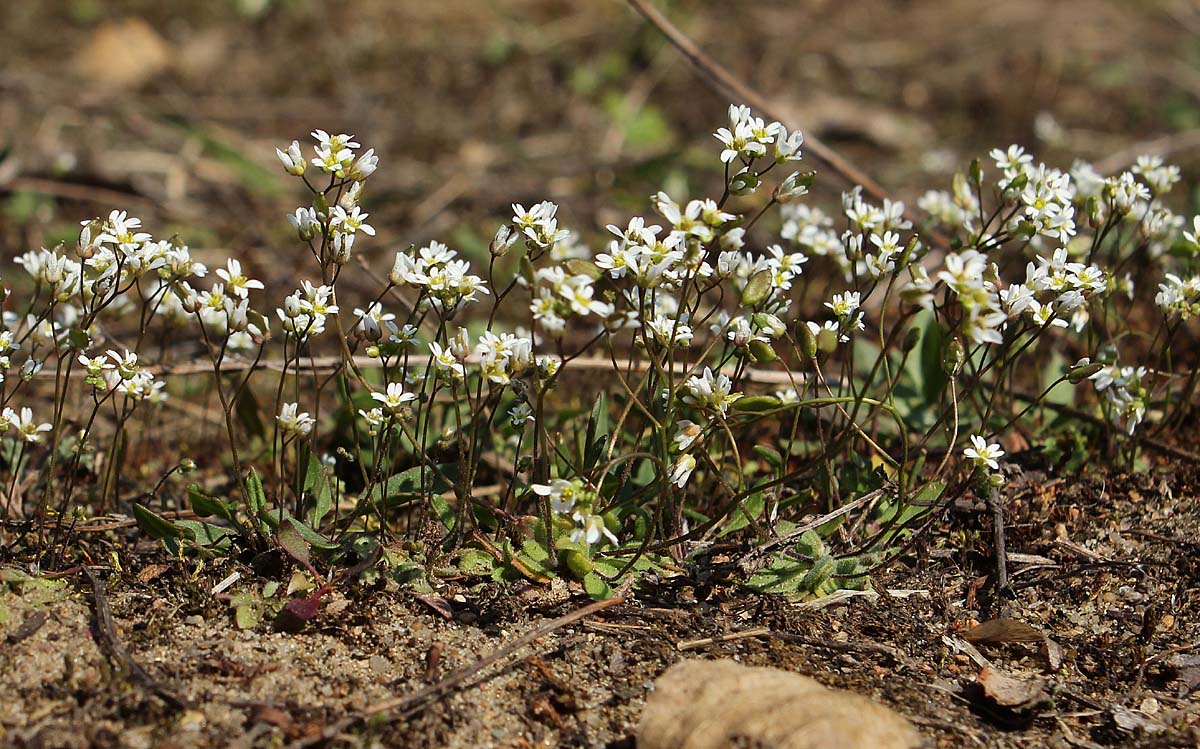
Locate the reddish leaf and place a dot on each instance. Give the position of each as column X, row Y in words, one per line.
column 304, row 608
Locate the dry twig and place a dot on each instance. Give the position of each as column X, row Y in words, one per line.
column 106, row 632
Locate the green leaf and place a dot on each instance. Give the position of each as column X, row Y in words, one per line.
column 476, row 562
column 155, row 526
column 751, row 507
column 933, row 375
column 318, row 488
column 293, row 543
column 783, row 576
column 578, row 564
column 312, row 537
column 256, row 496
column 444, row 511
column 535, row 552
column 205, row 505
column 273, row 518
column 596, row 437
column 248, row 614
column 407, row 484
column 597, row 587
column 215, row 538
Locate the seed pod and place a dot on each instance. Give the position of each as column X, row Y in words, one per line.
column 757, row 403
column 612, row 522
column 580, row 267
column 1077, row 375
column 758, row 289
column 808, row 341
column 762, row 352
column 773, row 457
column 953, row 357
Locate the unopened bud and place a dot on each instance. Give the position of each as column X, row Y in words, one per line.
column 743, row 183
column 505, row 238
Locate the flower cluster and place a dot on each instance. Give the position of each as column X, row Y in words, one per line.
column 444, row 280
column 122, row 373
column 1125, row 392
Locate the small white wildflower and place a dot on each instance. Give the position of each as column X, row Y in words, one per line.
column 394, row 398
column 293, row 421
column 982, row 454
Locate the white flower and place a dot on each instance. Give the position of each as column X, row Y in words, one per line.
column 351, row 222
column 686, row 433
column 710, row 391
column 520, row 414
column 682, row 470
column 445, row 362
column 395, row 397
column 293, row 161
column 374, row 419
column 366, row 165
column 561, row 493
column 236, row 282
column 983, row 454
column 589, row 529
column 294, row 421
column 23, row 422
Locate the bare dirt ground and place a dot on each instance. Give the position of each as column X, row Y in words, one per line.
column 472, row 106
column 1108, row 571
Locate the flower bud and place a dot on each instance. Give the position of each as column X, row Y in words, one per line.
column 505, row 238
column 30, row 369
column 743, row 183
column 795, row 186
column 293, row 161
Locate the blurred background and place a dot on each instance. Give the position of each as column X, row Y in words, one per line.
column 173, row 110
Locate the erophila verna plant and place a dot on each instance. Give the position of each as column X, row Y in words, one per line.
column 820, row 381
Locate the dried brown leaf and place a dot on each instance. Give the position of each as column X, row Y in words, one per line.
column 1010, row 691
column 1003, row 630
